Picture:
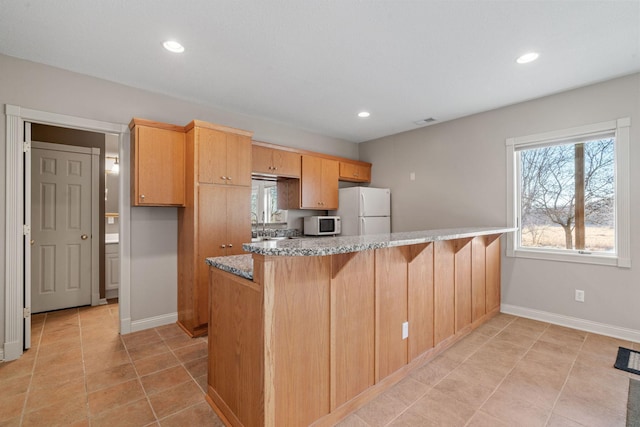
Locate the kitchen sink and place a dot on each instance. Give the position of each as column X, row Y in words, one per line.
column 266, row 238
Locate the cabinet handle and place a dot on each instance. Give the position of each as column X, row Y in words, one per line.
column 230, row 245
column 222, row 246
column 229, row 178
column 142, row 196
column 223, row 177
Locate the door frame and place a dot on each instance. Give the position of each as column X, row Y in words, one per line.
column 15, row 160
column 94, row 154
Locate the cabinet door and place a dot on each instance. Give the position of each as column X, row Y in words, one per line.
column 212, row 239
column 158, row 167
column 238, row 160
column 261, row 160
column 492, row 272
column 286, row 163
column 354, row 172
column 330, row 172
column 311, row 182
column 212, row 156
column 238, row 219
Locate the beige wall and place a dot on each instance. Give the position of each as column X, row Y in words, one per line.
column 460, row 169
column 153, row 230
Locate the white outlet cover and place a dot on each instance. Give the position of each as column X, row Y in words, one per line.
column 405, row 330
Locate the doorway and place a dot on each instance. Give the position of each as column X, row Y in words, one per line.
column 16, row 315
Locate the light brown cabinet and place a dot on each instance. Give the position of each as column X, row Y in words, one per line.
column 224, row 156
column 319, row 183
column 272, row 161
column 157, row 164
column 216, row 219
column 355, row 172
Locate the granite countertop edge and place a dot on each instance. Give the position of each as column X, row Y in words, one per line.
column 242, row 265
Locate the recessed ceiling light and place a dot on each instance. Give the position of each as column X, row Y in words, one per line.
column 173, row 46
column 527, row 57
column 363, row 114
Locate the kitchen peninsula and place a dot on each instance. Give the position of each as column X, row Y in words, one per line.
column 305, row 331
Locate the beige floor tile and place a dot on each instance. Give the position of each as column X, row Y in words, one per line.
column 604, row 346
column 192, row 352
column 179, row 341
column 14, row 386
column 587, row 413
column 197, row 367
column 200, row 415
column 559, row 421
column 57, row 377
column 597, row 391
column 482, row 419
column 440, row 408
column 532, row 387
column 96, row 362
column 41, row 397
column 147, row 350
column 500, row 320
column 555, row 351
column 563, row 337
column 514, row 410
column 13, row 422
column 464, row 389
column 114, row 396
column 71, row 412
column 54, row 361
column 168, row 331
column 412, row 419
column 352, row 421
column 12, row 406
column 167, row 378
column 408, row 391
column 155, row 363
column 141, row 338
column 487, row 330
column 172, row 400
column 202, row 383
column 133, row 414
column 477, row 370
column 514, row 337
column 434, row 371
column 381, row 410
column 109, row 377
column 16, row 368
column 465, row 347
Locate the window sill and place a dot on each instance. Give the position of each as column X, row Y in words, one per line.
column 597, row 259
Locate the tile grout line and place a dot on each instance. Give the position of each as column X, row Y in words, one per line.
column 33, row 370
column 573, row 364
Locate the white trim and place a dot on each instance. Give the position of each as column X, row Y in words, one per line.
column 622, row 209
column 573, row 322
column 153, row 322
column 14, row 204
column 1, row 354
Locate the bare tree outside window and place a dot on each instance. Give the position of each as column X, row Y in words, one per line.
column 567, row 196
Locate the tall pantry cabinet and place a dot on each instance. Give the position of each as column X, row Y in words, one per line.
column 216, row 219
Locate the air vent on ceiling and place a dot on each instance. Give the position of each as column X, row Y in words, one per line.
column 426, row 121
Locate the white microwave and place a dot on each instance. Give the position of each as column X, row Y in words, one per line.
column 321, row 225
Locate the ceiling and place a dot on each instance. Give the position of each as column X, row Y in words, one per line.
column 315, row 64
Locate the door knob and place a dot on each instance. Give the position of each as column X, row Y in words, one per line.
column 32, row 242
column 84, row 237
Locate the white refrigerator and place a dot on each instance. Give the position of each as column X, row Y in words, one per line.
column 364, row 210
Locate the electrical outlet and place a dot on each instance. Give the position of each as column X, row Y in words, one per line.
column 412, row 176
column 579, row 295
column 405, row 330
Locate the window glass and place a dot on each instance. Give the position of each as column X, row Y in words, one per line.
column 567, row 196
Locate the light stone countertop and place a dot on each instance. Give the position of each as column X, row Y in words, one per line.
column 242, row 265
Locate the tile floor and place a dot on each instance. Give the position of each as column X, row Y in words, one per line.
column 80, row 372
column 509, row 372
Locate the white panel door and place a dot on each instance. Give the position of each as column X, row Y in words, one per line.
column 60, row 227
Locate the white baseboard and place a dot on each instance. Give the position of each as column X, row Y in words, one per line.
column 111, row 293
column 153, row 322
column 11, row 351
column 1, row 354
column 573, row 322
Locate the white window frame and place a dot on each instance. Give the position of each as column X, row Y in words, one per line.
column 622, row 255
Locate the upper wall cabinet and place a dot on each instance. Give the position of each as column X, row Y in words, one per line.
column 224, row 154
column 271, row 161
column 355, row 171
column 319, row 183
column 157, row 164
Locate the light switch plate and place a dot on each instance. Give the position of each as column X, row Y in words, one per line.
column 405, row 330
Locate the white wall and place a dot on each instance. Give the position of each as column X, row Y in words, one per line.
column 153, row 230
column 460, row 169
